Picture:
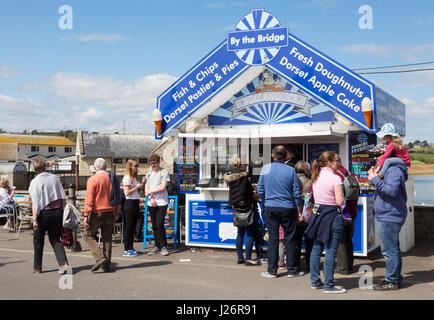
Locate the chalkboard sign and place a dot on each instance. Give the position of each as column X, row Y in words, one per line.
column 314, row 150
column 188, row 165
column 170, row 222
column 360, row 160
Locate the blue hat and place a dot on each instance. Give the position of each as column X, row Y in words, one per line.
column 387, row 129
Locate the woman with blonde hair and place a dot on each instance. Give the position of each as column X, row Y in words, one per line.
column 6, row 195
column 326, row 224
column 132, row 205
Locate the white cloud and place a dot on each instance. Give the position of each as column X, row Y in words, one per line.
column 409, row 52
column 319, row 3
column 222, row 4
column 95, row 37
column 80, row 101
column 7, row 72
column 114, row 94
column 91, row 115
column 419, row 108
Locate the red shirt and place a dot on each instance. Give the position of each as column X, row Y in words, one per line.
column 394, row 151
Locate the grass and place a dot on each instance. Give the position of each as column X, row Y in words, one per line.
column 427, row 158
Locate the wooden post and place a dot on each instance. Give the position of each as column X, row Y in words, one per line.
column 76, row 177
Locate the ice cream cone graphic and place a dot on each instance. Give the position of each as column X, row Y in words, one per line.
column 158, row 119
column 367, row 110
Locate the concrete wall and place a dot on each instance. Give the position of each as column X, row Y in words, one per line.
column 424, row 222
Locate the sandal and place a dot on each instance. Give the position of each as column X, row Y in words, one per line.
column 251, row 263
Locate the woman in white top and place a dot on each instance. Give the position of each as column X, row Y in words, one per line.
column 6, row 195
column 132, row 205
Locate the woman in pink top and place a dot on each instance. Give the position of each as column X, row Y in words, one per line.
column 326, row 224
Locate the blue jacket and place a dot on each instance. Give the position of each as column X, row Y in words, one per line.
column 320, row 223
column 278, row 186
column 391, row 197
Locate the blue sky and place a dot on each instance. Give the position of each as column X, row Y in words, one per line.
column 120, row 55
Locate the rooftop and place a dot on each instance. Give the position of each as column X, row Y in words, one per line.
column 118, row 145
column 36, row 140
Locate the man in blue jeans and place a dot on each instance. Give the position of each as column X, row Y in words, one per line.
column 280, row 193
column 390, row 211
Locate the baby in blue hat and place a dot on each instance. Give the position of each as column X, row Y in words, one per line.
column 396, row 152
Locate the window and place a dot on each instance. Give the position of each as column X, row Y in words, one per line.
column 51, row 149
column 143, row 160
column 117, row 160
column 68, row 149
column 34, row 148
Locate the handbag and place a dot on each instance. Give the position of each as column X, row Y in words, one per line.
column 67, row 238
column 346, row 215
column 307, row 206
column 243, row 219
column 71, row 217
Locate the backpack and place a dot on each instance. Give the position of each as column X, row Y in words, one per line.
column 351, row 186
column 115, row 196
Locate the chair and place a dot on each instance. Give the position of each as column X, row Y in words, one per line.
column 117, row 227
column 9, row 210
column 25, row 215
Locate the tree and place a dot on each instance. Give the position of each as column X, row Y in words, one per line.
column 410, row 145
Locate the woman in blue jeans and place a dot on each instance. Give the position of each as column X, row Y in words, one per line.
column 326, row 224
column 241, row 198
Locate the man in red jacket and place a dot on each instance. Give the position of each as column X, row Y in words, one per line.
column 99, row 214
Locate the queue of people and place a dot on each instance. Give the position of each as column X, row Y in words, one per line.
column 282, row 189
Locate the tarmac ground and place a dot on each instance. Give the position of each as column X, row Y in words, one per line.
column 191, row 274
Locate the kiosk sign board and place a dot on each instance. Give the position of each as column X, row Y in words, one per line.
column 259, row 39
column 199, row 85
column 328, row 81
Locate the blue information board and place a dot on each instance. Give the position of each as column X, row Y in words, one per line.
column 211, row 223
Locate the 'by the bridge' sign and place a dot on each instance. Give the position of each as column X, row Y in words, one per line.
column 259, row 39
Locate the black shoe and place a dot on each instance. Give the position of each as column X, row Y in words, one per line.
column 99, row 264
column 241, row 261
column 386, row 285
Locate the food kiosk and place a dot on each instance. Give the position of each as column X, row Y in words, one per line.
column 262, row 86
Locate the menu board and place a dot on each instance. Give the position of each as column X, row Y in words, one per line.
column 360, row 160
column 314, row 151
column 211, row 224
column 188, row 165
column 170, row 221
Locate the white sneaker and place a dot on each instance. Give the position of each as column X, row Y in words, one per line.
column 153, row 251
column 164, row 251
column 335, row 290
column 298, row 274
column 266, row 274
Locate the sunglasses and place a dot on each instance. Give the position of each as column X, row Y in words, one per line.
column 136, row 166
